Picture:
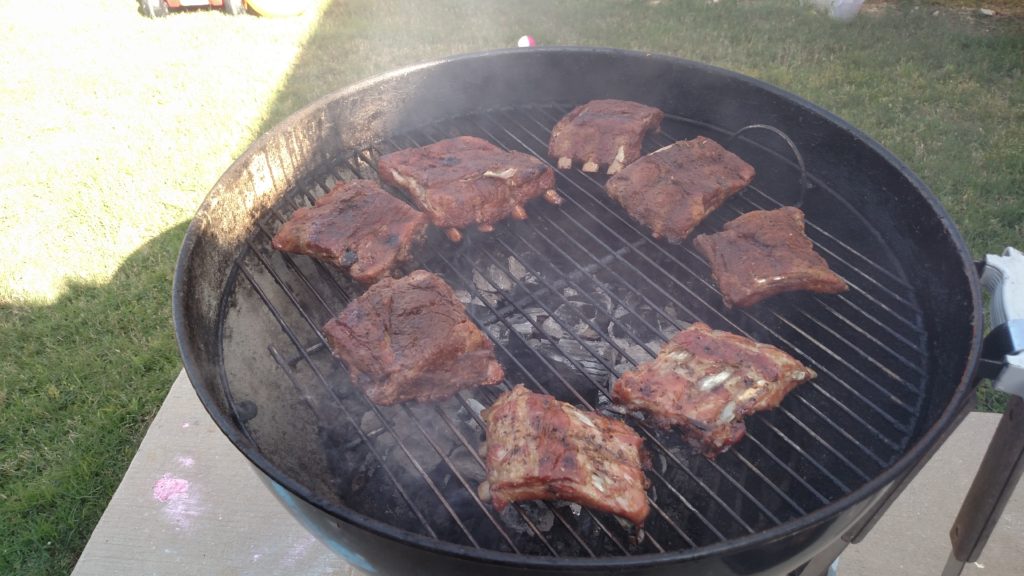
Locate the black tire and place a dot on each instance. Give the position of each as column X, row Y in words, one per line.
column 153, row 8
column 234, row 7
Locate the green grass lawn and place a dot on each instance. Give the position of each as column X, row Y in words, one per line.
column 115, row 127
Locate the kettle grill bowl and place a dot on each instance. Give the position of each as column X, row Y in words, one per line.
column 907, row 254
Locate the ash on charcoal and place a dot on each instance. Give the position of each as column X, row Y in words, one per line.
column 571, row 354
column 497, row 331
column 464, row 297
column 538, row 513
column 592, row 361
column 495, row 281
column 606, row 407
column 552, row 329
column 569, row 318
column 485, row 289
column 522, row 324
column 519, row 272
column 635, row 354
column 475, row 406
column 466, row 464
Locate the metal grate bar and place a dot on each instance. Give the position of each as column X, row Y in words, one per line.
column 666, row 138
column 295, row 341
column 915, row 325
column 835, row 433
column 454, row 470
column 469, row 286
column 502, row 318
column 656, row 247
column 465, row 485
column 612, row 370
column 493, row 136
column 476, row 456
column 817, row 231
column 600, row 389
column 322, row 345
column 606, row 203
column 384, row 421
column 591, row 351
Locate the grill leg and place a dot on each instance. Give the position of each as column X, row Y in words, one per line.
column 824, row 563
column 998, row 475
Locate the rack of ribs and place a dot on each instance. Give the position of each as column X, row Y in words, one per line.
column 764, row 253
column 671, row 190
column 539, row 448
column 466, row 180
column 410, row 339
column 602, row 133
column 706, row 381
column 356, row 226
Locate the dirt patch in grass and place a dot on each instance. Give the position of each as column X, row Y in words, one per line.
column 972, row 8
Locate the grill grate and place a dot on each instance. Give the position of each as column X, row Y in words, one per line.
column 571, row 298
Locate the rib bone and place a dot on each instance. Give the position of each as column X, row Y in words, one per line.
column 504, row 174
column 590, row 166
column 553, row 197
column 616, row 164
column 453, row 234
column 564, row 163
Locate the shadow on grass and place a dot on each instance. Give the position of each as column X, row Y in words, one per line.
column 81, row 380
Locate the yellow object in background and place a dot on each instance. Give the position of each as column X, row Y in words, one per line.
column 279, row 7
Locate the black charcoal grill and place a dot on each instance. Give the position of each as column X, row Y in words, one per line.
column 571, row 298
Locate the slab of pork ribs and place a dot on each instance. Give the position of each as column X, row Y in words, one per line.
column 466, row 180
column 600, row 133
column 705, row 381
column 764, row 253
column 357, row 226
column 539, row 448
column 671, row 190
column 410, row 339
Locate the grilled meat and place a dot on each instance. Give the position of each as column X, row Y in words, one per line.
column 539, row 448
column 706, row 381
column 764, row 253
column 673, row 189
column 358, row 226
column 602, row 133
column 410, row 339
column 465, row 180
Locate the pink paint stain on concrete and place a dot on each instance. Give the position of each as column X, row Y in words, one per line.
column 168, row 487
column 180, row 502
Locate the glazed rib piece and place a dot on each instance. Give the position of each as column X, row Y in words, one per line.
column 671, row 190
column 600, row 133
column 358, row 226
column 539, row 448
column 764, row 253
column 410, row 339
column 706, row 381
column 465, row 180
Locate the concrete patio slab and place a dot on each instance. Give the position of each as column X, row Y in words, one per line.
column 191, row 504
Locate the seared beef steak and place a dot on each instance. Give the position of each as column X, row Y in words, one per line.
column 465, row 180
column 705, row 381
column 671, row 190
column 539, row 448
column 410, row 339
column 358, row 226
column 602, row 133
column 764, row 253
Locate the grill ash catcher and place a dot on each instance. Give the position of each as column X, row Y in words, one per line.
column 577, row 294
